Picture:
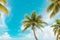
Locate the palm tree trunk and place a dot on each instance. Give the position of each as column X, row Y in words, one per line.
column 57, row 37
column 35, row 34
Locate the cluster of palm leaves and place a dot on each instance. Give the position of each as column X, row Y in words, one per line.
column 35, row 21
column 54, row 7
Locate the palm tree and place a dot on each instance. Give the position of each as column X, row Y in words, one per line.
column 53, row 7
column 2, row 7
column 56, row 29
column 34, row 22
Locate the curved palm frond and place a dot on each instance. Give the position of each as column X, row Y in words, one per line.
column 33, row 16
column 3, row 1
column 55, row 10
column 55, row 31
column 58, row 21
column 27, row 17
column 55, row 25
column 4, row 9
column 42, row 22
column 26, row 26
column 38, row 17
column 52, row 0
column 54, row 7
column 50, row 7
column 26, row 21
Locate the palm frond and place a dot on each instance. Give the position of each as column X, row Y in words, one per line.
column 55, row 10
column 55, row 28
column 26, row 21
column 27, row 17
column 4, row 9
column 26, row 26
column 58, row 21
column 59, row 32
column 52, row 0
column 42, row 22
column 55, row 25
column 55, row 31
column 38, row 17
column 50, row 7
column 3, row 1
column 33, row 16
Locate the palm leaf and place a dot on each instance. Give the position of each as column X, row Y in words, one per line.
column 27, row 17
column 26, row 27
column 52, row 0
column 58, row 21
column 4, row 9
column 55, row 28
column 26, row 21
column 33, row 16
column 55, row 10
column 50, row 7
column 42, row 22
column 3, row 1
column 38, row 17
column 56, row 25
column 55, row 31
column 59, row 32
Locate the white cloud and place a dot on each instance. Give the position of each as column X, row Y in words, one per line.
column 47, row 34
column 5, row 36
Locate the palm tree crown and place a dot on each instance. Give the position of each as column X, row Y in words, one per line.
column 34, row 20
column 53, row 7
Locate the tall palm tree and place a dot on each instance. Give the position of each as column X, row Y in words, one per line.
column 56, row 29
column 53, row 7
column 2, row 7
column 34, row 22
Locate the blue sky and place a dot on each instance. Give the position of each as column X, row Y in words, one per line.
column 17, row 10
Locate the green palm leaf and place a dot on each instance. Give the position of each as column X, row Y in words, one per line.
column 56, row 9
column 26, row 26
column 27, row 17
column 33, row 16
column 55, row 31
column 3, row 1
column 38, row 17
column 52, row 0
column 4, row 9
column 50, row 7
